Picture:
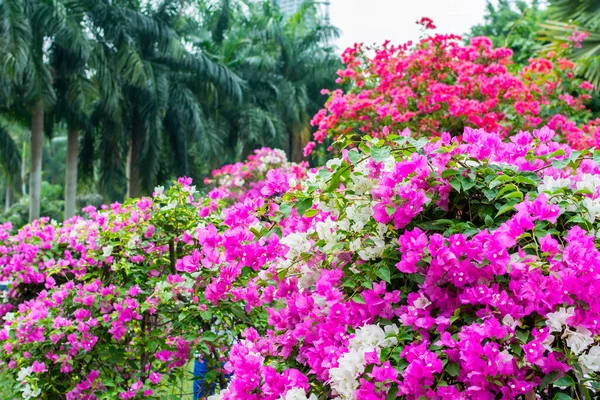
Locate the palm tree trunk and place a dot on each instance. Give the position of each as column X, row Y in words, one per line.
column 8, row 198
column 71, row 172
column 299, row 140
column 134, row 181
column 24, row 169
column 35, row 173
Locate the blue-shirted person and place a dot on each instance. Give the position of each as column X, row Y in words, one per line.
column 201, row 389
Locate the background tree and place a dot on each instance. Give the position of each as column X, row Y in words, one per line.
column 512, row 24
column 569, row 20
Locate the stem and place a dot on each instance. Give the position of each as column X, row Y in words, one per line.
column 172, row 255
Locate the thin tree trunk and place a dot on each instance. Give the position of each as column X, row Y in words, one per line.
column 134, row 181
column 35, row 173
column 24, row 169
column 8, row 198
column 71, row 171
column 299, row 140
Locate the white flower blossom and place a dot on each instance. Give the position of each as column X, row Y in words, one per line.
column 351, row 365
column 558, row 319
column 422, row 302
column 550, row 184
column 334, row 161
column 308, row 277
column 579, row 339
column 159, row 192
column 590, row 362
column 297, row 394
column 23, row 373
column 326, row 230
column 389, row 163
column 297, row 243
column 593, row 208
column 133, row 242
column 9, row 317
column 359, row 214
column 107, row 250
column 589, row 182
column 171, row 205
column 28, row 393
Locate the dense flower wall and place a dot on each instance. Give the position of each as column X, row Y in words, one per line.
column 445, row 268
column 448, row 252
column 440, row 85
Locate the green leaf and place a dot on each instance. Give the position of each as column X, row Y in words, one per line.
column 452, row 369
column 392, row 393
column 334, row 182
column 467, row 183
column 560, row 164
column 489, row 221
column 507, row 188
column 562, row 396
column 281, row 274
column 285, row 209
column 556, row 153
column 516, row 348
column 436, row 225
column 209, row 336
column 456, row 184
column 450, row 172
column 380, row 153
column 354, row 156
column 513, row 195
column 419, row 144
column 506, row 208
column 522, row 335
column 548, row 378
column 303, row 204
column 565, row 381
column 358, row 299
column 384, row 273
column 311, row 212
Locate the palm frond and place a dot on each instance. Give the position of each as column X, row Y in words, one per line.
column 582, row 12
column 10, row 157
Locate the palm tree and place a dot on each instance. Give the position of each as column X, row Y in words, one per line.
column 22, row 40
column 30, row 30
column 150, row 87
column 10, row 162
column 582, row 16
column 74, row 92
column 285, row 64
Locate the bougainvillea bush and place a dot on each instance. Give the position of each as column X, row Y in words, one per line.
column 440, row 268
column 441, row 85
column 116, row 304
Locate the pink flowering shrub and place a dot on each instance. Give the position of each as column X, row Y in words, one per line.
column 118, row 303
column 440, row 85
column 443, row 268
column 262, row 174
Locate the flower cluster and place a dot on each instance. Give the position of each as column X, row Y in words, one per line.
column 458, row 265
column 118, row 302
column 440, row 85
column 264, row 173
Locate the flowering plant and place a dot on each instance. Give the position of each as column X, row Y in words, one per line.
column 440, row 85
column 439, row 268
column 116, row 304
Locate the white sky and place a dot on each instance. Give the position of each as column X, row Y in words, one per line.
column 374, row 21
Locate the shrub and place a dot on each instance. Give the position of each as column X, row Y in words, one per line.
column 116, row 304
column 445, row 268
column 441, row 85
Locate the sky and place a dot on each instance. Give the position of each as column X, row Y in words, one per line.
column 374, row 21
